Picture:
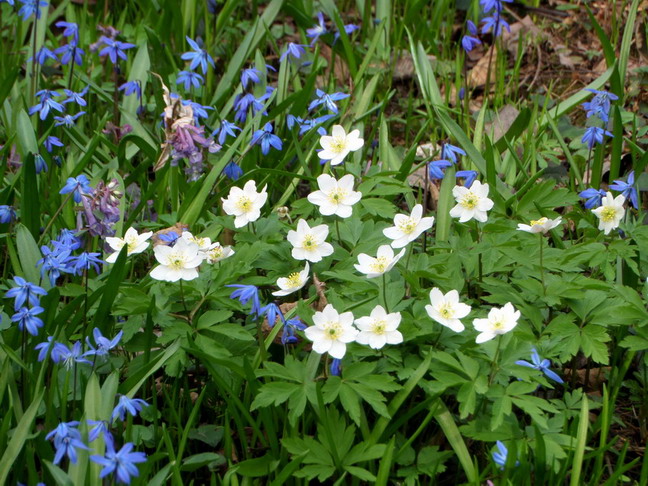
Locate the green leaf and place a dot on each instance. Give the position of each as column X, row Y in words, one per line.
column 110, row 291
column 29, row 254
column 197, row 461
column 361, row 473
column 27, row 143
column 274, row 393
column 232, row 331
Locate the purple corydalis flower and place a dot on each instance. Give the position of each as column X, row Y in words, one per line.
column 26, row 319
column 198, row 57
column 327, row 100
column 593, row 197
column 266, row 139
column 594, row 135
column 101, row 208
column 130, row 405
column 628, row 189
column 436, row 168
column 114, row 49
column 78, row 185
column 294, row 51
column 25, row 291
column 245, row 293
column 540, row 364
column 121, row 463
column 189, row 79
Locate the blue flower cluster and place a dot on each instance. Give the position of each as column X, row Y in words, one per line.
column 26, row 315
column 58, row 258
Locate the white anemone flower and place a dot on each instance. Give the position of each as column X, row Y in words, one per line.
column 499, row 321
column 204, row 244
column 338, row 145
column 331, row 332
column 381, row 264
column 407, row 228
column 379, row 328
column 135, row 242
column 335, row 197
column 471, row 203
column 611, row 212
column 447, row 310
column 542, row 225
column 216, row 253
column 309, row 243
column 293, row 282
column 177, row 262
column 245, row 204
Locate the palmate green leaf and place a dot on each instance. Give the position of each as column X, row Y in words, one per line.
column 274, row 393
column 593, row 339
column 350, row 401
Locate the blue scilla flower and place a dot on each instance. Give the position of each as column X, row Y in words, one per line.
column 67, row 120
column 77, row 98
column 327, row 100
column 314, row 33
column 488, row 5
column 250, row 75
column 468, row 176
column 226, row 129
column 39, row 164
column 7, row 214
column 122, row 463
column 130, row 405
column 199, row 111
column 54, row 262
column 68, row 356
column 99, row 428
column 495, row 23
column 272, row 311
column 78, row 185
column 69, row 239
column 67, row 439
column 114, row 49
column 469, row 42
column 245, row 293
column 451, row 152
column 10, row 2
column 51, row 142
column 25, row 291
column 266, row 139
column 131, row 87
column 31, row 7
column 335, row 369
column 46, row 104
column 232, row 171
column 290, row 327
column 540, row 364
column 436, row 167
column 594, row 135
column 104, row 345
column 27, row 319
column 70, row 29
column 593, row 197
column 501, row 456
column 348, row 30
column 198, row 57
column 627, row 189
column 599, row 105
column 307, row 125
column 189, row 79
column 293, row 51
column 169, row 238
column 84, row 261
column 44, row 347
column 43, row 55
column 70, row 52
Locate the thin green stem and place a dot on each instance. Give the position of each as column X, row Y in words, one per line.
column 51, row 221
column 494, row 366
column 384, row 291
column 542, row 280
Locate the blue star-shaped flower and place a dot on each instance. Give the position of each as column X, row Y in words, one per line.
column 189, row 79
column 594, row 135
column 537, row 363
column 198, row 57
column 327, row 100
column 266, row 139
column 628, row 189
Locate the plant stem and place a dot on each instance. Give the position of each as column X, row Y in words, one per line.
column 384, row 288
column 542, row 280
column 184, row 303
column 494, row 366
column 51, row 221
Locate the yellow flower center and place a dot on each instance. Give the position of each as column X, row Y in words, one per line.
column 216, row 253
column 538, row 222
column 379, row 265
column 309, row 242
column 244, row 204
column 498, row 325
column 177, row 262
column 294, row 280
column 337, row 195
column 469, row 201
column 338, row 145
column 446, row 311
column 333, row 330
column 379, row 327
column 407, row 226
column 608, row 214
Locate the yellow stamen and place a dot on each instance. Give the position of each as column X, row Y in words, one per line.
column 608, row 214
column 244, row 204
column 540, row 221
column 469, row 201
column 379, row 265
column 407, row 226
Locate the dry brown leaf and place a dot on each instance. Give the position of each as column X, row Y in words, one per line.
column 502, row 122
column 479, row 74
